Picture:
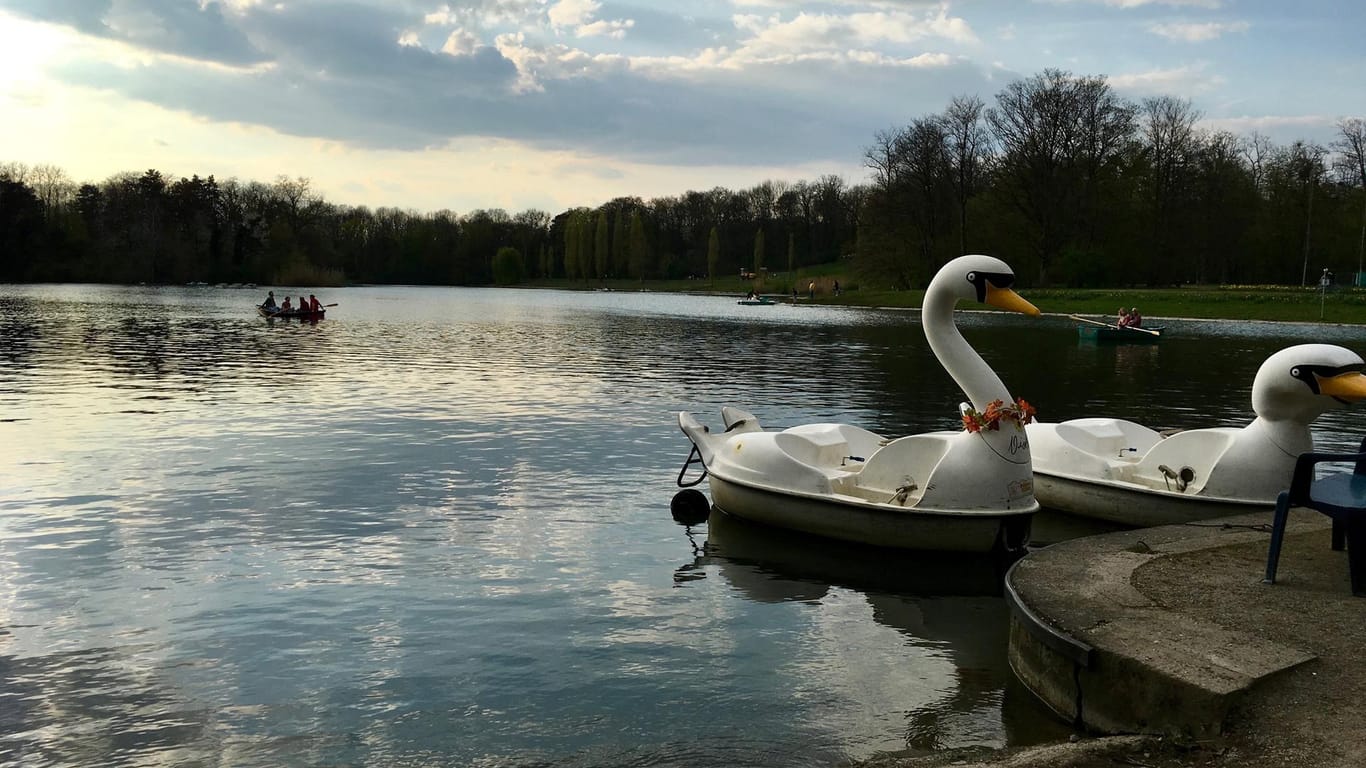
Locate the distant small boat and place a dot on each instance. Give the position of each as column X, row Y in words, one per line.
column 293, row 314
column 1145, row 335
column 759, row 302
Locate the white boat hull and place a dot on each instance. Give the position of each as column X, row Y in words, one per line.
column 1131, row 505
column 882, row 525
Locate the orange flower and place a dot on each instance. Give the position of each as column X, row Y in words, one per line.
column 1021, row 412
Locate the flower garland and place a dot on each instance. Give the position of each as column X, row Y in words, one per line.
column 1021, row 412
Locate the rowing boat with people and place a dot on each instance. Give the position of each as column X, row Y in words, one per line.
column 1092, row 330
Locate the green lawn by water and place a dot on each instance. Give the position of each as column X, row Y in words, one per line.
column 1279, row 303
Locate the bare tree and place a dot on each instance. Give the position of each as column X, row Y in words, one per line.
column 1257, row 150
column 1351, row 144
column 968, row 146
column 1306, row 158
column 1171, row 144
column 881, row 157
column 1058, row 135
column 53, row 187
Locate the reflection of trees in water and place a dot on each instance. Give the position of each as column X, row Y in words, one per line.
column 947, row 602
column 1130, row 359
column 97, row 706
column 19, row 331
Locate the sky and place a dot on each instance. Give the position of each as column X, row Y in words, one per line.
column 552, row 104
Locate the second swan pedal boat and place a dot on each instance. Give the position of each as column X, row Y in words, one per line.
column 965, row 491
column 1123, row 472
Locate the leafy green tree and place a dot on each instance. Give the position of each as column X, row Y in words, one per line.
column 508, row 268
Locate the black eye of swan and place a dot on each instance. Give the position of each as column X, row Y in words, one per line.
column 1310, row 374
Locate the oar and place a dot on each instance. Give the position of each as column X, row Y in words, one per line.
column 1116, row 327
column 333, row 304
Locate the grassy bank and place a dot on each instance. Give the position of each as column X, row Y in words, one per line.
column 1279, row 303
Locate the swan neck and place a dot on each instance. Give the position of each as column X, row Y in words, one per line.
column 967, row 368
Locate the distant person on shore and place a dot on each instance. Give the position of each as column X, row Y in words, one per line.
column 837, row 287
column 269, row 303
column 811, row 290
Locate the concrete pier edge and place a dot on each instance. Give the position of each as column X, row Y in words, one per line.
column 1107, row 658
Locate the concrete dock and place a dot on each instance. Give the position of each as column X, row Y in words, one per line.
column 1170, row 631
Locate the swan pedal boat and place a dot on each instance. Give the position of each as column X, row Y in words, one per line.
column 946, row 491
column 1123, row 472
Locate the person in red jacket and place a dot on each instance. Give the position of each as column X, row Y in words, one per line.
column 313, row 304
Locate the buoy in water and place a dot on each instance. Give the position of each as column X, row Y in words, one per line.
column 690, row 506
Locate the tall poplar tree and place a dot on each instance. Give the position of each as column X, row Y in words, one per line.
column 713, row 255
column 602, row 254
column 758, row 250
column 620, row 245
column 640, row 247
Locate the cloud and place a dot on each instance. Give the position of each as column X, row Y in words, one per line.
column 1179, row 81
column 1291, row 126
column 1207, row 4
column 193, row 30
column 579, row 15
column 773, row 36
column 400, row 76
column 1197, row 33
column 572, row 13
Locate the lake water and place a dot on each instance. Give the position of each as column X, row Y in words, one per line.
column 434, row 528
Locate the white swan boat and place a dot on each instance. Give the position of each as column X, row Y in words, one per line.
column 969, row 490
column 1116, row 470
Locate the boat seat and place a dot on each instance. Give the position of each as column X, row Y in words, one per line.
column 1341, row 496
column 829, row 445
column 1196, row 451
column 820, row 445
column 1108, row 437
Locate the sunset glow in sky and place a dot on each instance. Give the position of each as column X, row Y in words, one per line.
column 551, row 104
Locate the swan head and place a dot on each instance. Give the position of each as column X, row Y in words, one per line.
column 982, row 279
column 1300, row 382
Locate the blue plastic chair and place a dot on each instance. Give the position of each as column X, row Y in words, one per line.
column 1341, row 496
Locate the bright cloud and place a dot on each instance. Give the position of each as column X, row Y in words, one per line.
column 1198, row 33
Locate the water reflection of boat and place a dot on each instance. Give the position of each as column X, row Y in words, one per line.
column 948, row 605
column 810, row 559
column 963, row 491
column 1124, row 472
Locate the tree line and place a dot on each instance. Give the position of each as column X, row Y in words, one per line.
column 1070, row 183
column 1077, row 186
